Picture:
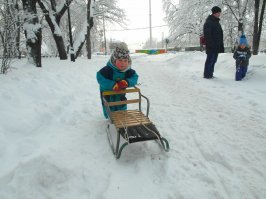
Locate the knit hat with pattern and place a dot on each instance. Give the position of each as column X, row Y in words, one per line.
column 120, row 52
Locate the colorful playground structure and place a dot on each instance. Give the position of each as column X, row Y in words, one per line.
column 151, row 51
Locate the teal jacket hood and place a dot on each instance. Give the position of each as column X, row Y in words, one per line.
column 109, row 63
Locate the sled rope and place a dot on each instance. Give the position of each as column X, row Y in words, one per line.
column 140, row 121
column 125, row 126
column 163, row 141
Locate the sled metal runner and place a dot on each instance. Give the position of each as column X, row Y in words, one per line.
column 132, row 125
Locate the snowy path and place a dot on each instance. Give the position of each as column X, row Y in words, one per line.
column 57, row 148
column 209, row 135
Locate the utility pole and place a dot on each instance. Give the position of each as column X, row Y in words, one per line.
column 150, row 24
column 101, row 40
column 162, row 39
column 104, row 36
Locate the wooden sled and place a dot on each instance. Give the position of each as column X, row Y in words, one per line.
column 132, row 125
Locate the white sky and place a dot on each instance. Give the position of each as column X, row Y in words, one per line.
column 137, row 12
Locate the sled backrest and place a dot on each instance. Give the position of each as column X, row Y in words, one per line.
column 128, row 90
column 133, row 90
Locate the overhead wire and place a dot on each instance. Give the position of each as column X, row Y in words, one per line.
column 126, row 29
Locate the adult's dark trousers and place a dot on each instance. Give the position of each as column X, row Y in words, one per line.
column 209, row 65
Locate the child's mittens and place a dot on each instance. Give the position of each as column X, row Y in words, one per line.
column 242, row 57
column 116, row 87
column 122, row 84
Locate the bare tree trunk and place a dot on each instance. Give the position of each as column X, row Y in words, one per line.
column 88, row 43
column 88, row 36
column 58, row 38
column 87, row 39
column 6, row 56
column 18, row 26
column 33, row 34
column 18, row 52
column 80, row 47
column 257, row 25
column 240, row 26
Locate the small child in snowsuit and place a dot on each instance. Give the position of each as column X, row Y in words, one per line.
column 242, row 55
column 117, row 75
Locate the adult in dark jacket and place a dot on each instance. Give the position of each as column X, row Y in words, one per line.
column 213, row 34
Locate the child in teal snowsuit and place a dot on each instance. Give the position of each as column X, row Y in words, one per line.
column 117, row 75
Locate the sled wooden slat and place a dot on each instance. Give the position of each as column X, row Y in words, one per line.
column 129, row 118
column 129, row 90
column 123, row 102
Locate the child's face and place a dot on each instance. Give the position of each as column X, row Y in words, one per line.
column 242, row 46
column 121, row 64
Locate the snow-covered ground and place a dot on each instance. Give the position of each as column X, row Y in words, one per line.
column 53, row 141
